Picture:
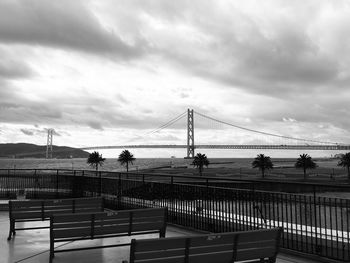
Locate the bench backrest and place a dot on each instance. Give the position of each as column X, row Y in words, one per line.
column 43, row 209
column 218, row 248
column 75, row 226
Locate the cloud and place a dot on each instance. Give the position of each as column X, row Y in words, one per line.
column 10, row 69
column 54, row 132
column 136, row 64
column 38, row 131
column 288, row 119
column 275, row 54
column 18, row 109
column 121, row 99
column 27, row 132
column 13, row 67
column 184, row 95
column 64, row 24
column 95, row 125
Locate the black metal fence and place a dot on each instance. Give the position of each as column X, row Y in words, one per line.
column 312, row 223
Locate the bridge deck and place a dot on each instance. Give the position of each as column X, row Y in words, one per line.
column 228, row 146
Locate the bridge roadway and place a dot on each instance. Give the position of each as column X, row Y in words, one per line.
column 227, row 146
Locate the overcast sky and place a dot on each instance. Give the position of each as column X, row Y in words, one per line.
column 108, row 72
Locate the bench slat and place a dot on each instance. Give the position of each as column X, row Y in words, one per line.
column 258, row 235
column 160, row 244
column 249, row 254
column 217, row 257
column 108, row 230
column 257, row 244
column 26, row 215
column 213, row 239
column 77, row 217
column 211, row 248
column 162, row 260
column 147, row 226
column 69, row 233
column 160, row 254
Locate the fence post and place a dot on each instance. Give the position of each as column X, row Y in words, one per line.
column 119, row 193
column 315, row 218
column 172, row 199
column 100, row 180
column 57, row 183
column 8, row 183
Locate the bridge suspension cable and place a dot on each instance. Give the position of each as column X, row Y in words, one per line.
column 263, row 133
column 169, row 123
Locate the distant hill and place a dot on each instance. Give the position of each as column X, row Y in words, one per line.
column 25, row 150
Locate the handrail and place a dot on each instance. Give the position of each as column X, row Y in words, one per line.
column 204, row 178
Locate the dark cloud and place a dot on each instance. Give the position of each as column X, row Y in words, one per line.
column 64, row 24
column 11, row 69
column 95, row 125
column 95, row 111
column 27, row 132
column 54, row 132
column 17, row 109
column 269, row 54
column 38, row 131
column 121, row 99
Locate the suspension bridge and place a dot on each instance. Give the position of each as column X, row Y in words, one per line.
column 284, row 142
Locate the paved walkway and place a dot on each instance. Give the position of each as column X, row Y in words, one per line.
column 32, row 246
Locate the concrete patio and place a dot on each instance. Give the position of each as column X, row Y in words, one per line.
column 32, row 246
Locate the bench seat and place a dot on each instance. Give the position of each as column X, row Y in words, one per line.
column 40, row 210
column 74, row 227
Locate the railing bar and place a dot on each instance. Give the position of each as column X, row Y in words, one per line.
column 290, row 204
column 301, row 223
column 320, row 224
column 347, row 225
column 336, row 225
column 342, row 228
column 296, row 222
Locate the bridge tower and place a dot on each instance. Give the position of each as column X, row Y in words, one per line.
column 190, row 134
column 49, row 144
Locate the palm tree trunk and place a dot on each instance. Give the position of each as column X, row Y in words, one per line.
column 263, row 173
column 127, row 167
column 349, row 173
column 200, row 170
column 304, row 173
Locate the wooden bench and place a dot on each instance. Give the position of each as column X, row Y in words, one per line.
column 247, row 246
column 75, row 227
column 40, row 210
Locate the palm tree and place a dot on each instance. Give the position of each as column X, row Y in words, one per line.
column 263, row 163
column 125, row 157
column 95, row 159
column 305, row 161
column 199, row 161
column 345, row 162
